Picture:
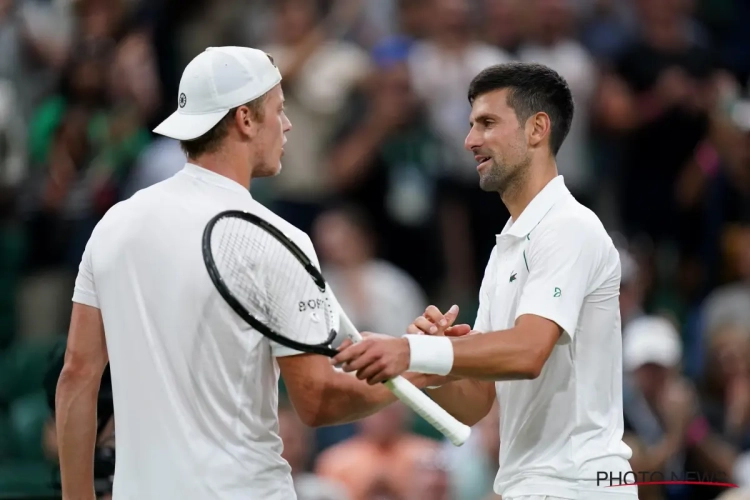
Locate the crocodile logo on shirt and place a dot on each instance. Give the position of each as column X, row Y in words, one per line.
column 513, row 277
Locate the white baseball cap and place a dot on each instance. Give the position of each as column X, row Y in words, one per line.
column 650, row 339
column 215, row 81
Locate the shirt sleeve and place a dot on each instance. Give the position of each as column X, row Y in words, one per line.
column 562, row 260
column 84, row 291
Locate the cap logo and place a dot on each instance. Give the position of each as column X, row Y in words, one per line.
column 183, row 100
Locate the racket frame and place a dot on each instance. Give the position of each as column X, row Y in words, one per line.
column 323, row 348
column 456, row 432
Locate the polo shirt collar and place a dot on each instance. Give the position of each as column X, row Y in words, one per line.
column 537, row 209
column 211, row 177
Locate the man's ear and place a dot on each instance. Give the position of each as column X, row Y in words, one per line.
column 538, row 127
column 245, row 122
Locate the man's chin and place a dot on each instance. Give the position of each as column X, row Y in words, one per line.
column 267, row 172
column 488, row 185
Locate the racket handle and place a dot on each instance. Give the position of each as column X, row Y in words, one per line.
column 348, row 327
column 456, row 432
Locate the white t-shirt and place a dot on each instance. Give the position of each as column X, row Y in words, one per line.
column 195, row 389
column 562, row 428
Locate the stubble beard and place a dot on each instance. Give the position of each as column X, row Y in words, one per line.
column 504, row 179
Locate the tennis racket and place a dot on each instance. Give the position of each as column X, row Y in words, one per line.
column 275, row 288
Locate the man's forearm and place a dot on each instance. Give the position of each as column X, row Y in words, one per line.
column 502, row 355
column 75, row 411
column 469, row 401
column 347, row 399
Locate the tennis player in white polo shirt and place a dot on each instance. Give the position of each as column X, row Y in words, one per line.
column 195, row 389
column 549, row 342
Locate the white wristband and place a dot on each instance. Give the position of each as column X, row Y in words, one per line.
column 430, row 355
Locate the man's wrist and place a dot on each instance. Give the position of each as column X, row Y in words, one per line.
column 430, row 355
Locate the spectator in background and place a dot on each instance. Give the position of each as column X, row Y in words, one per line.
column 659, row 98
column 726, row 385
column 728, row 304
column 414, row 18
column 473, row 466
column 552, row 44
column 298, row 452
column 13, row 160
column 319, row 74
column 724, row 444
column 376, row 295
column 639, row 461
column 607, row 28
column 661, row 406
column 83, row 85
column 728, row 235
column 382, row 460
column 133, row 80
column 35, row 42
column 631, row 288
column 505, row 24
column 384, row 159
column 101, row 21
column 83, row 145
column 431, row 479
column 441, row 67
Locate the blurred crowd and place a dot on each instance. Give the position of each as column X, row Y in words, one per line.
column 374, row 170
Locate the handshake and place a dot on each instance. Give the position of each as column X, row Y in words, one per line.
column 378, row 357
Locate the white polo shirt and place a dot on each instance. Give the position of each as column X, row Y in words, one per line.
column 557, row 431
column 195, row 389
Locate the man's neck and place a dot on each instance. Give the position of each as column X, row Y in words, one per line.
column 226, row 165
column 516, row 200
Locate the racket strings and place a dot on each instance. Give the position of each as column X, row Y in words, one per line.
column 270, row 282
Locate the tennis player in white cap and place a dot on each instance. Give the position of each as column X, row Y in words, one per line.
column 195, row 390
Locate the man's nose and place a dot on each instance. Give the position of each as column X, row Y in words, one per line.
column 473, row 140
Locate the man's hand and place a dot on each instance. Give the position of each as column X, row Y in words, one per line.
column 376, row 358
column 433, row 322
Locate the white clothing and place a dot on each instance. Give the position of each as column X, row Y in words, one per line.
column 215, row 81
column 195, row 388
column 558, row 430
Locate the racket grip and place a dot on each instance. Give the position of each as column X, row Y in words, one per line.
column 456, row 432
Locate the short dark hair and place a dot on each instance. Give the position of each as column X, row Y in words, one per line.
column 210, row 141
column 533, row 88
